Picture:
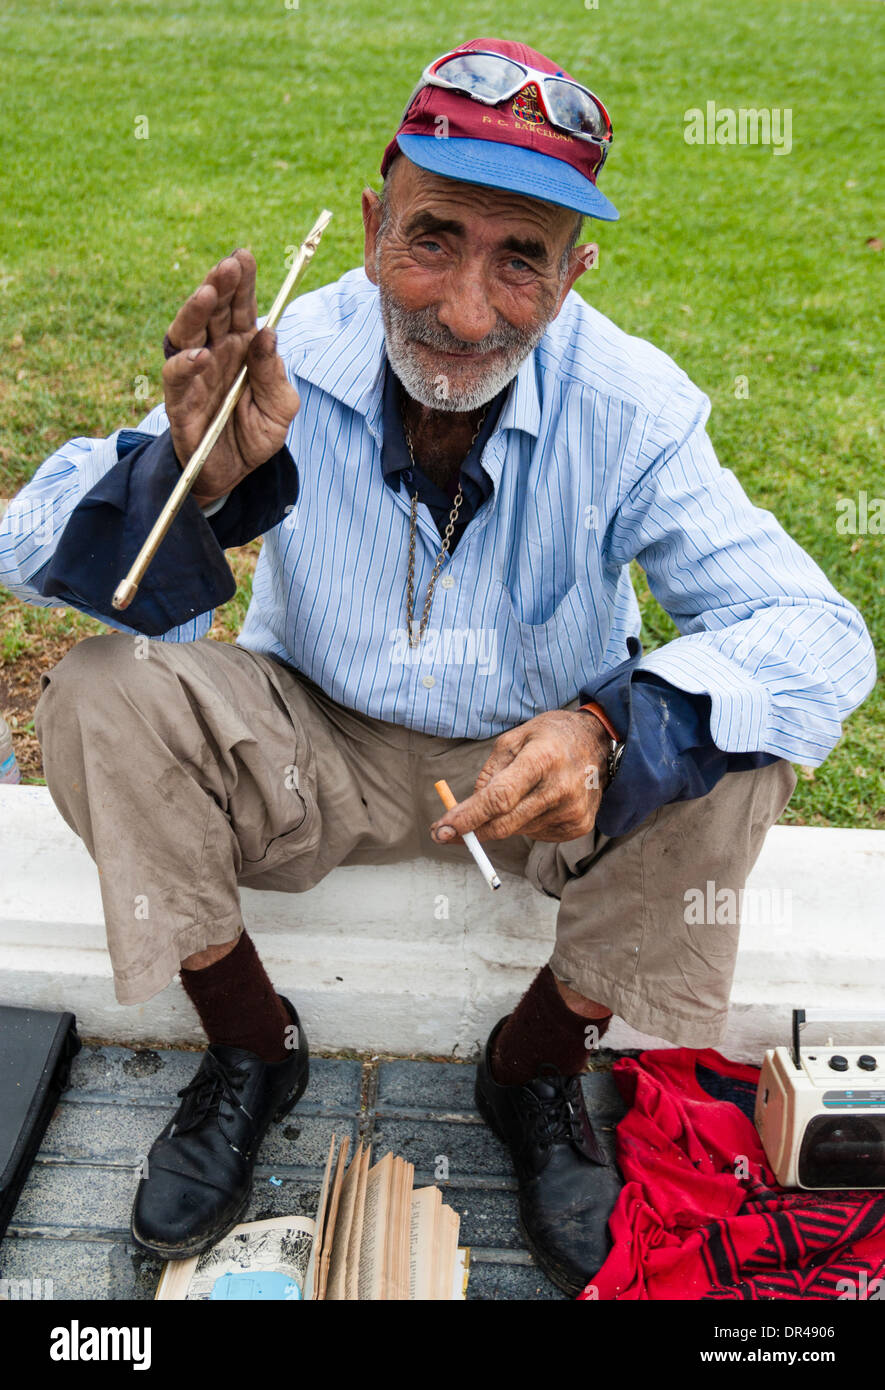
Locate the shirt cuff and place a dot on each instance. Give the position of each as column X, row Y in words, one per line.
column 212, row 507
column 669, row 754
column 189, row 574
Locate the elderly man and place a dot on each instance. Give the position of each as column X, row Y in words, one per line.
column 452, row 459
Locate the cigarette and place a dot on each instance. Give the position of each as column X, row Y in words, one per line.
column 482, row 860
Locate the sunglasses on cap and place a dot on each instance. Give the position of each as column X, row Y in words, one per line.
column 492, row 78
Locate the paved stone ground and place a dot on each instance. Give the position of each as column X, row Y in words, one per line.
column 71, row 1224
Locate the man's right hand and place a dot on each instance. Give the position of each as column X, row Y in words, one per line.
column 216, row 331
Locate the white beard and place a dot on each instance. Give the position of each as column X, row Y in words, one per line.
column 402, row 327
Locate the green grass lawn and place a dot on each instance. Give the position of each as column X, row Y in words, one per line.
column 734, row 259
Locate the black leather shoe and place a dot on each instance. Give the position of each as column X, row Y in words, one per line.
column 199, row 1169
column 567, row 1188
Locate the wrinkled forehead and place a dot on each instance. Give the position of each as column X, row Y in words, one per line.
column 413, row 191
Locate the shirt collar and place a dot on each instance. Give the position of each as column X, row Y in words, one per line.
column 395, row 456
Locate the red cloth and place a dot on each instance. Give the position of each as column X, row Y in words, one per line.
column 700, row 1215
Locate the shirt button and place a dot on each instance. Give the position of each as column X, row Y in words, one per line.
column 447, row 581
column 428, row 681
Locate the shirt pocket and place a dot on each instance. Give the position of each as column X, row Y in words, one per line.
column 555, row 653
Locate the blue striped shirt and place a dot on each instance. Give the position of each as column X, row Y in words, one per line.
column 599, row 456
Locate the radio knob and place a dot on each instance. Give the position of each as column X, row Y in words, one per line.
column 839, row 1063
column 866, row 1062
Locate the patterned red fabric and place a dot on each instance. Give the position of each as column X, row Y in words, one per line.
column 700, row 1215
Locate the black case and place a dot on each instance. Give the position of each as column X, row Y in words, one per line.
column 36, row 1050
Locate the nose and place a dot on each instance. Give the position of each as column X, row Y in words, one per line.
column 466, row 310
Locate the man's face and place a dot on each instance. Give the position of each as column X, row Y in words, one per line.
column 468, row 277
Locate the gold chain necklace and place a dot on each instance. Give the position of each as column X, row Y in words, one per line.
column 447, row 537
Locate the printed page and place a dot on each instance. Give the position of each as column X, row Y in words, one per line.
column 372, row 1276
column 400, row 1223
column 319, row 1224
column 280, row 1246
column 461, row 1274
column 332, row 1218
column 425, row 1222
column 336, row 1285
column 352, row 1275
column 391, row 1233
column 447, row 1252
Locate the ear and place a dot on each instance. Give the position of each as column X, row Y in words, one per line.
column 371, row 207
column 582, row 258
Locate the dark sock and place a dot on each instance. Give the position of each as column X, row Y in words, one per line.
column 238, row 1005
column 542, row 1028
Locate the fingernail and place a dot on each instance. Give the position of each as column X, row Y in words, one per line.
column 445, row 832
column 194, row 353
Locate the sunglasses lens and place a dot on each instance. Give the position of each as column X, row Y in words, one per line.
column 575, row 109
column 481, row 74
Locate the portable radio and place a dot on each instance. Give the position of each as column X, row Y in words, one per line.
column 820, row 1111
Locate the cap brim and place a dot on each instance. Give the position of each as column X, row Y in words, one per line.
column 498, row 165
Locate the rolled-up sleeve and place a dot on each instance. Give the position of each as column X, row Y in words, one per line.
column 71, row 535
column 668, row 752
column 781, row 655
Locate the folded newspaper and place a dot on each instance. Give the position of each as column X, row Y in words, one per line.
column 375, row 1236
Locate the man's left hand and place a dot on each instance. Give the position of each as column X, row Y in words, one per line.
column 543, row 779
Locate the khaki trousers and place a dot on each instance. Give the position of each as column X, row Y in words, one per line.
column 188, row 769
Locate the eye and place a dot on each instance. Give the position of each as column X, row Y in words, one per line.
column 429, row 245
column 518, row 266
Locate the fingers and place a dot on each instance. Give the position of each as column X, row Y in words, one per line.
column 234, row 281
column 553, row 820
column 528, row 809
column 549, row 811
column 179, row 373
column 498, row 799
column 244, row 305
column 532, row 784
column 501, row 756
column 272, row 392
column 224, row 303
column 188, row 328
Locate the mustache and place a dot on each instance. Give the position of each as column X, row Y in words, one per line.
column 420, row 326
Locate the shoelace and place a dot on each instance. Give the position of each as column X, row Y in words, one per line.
column 213, row 1083
column 559, row 1117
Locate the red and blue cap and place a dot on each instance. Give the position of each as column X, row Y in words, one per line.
column 511, row 145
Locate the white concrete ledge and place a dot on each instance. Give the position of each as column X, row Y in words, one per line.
column 373, row 968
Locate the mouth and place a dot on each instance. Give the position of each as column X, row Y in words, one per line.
column 470, row 356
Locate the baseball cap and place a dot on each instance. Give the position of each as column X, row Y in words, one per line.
column 512, row 145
